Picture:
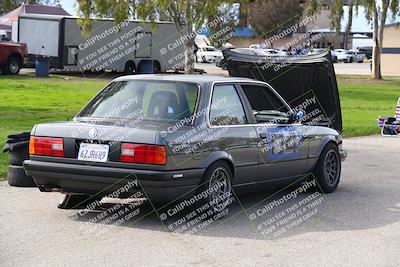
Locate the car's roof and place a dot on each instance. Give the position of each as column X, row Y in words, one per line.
column 200, row 79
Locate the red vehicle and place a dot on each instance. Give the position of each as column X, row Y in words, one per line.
column 12, row 57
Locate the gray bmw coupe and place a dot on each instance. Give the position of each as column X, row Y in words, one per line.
column 173, row 135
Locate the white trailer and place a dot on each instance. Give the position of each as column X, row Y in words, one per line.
column 131, row 46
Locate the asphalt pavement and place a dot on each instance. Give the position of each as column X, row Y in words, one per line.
column 359, row 224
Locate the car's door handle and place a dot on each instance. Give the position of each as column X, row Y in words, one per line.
column 263, row 135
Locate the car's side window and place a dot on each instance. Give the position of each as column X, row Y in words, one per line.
column 226, row 107
column 266, row 105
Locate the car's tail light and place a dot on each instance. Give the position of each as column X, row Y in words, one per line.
column 146, row 154
column 46, row 146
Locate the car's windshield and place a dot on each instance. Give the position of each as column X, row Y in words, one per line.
column 147, row 100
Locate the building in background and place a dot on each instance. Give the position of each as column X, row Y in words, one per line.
column 390, row 60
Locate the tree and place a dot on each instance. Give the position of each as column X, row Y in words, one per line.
column 188, row 15
column 273, row 16
column 349, row 24
column 220, row 32
column 376, row 11
column 337, row 16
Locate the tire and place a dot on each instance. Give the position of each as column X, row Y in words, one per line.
column 17, row 177
column 77, row 201
column 12, row 66
column 351, row 60
column 217, row 200
column 156, row 67
column 203, row 59
column 17, row 156
column 143, row 67
column 223, row 64
column 129, row 68
column 328, row 169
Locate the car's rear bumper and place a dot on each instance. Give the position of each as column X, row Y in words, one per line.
column 159, row 186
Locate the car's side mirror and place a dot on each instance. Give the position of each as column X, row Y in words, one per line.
column 297, row 116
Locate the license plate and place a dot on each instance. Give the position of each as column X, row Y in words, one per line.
column 93, row 152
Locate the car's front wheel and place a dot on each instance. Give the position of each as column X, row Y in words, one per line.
column 12, row 66
column 129, row 68
column 328, row 169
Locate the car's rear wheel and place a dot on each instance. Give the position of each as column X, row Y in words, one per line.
column 328, row 169
column 157, row 67
column 218, row 182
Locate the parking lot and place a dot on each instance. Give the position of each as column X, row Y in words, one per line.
column 340, row 69
column 357, row 225
column 210, row 68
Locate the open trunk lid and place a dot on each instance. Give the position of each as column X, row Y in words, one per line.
column 298, row 79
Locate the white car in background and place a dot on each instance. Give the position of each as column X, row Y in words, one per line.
column 345, row 55
column 208, row 54
column 360, row 56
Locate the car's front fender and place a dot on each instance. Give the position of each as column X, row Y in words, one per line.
column 325, row 140
column 320, row 137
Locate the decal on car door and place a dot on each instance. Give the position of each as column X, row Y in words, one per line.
column 283, row 143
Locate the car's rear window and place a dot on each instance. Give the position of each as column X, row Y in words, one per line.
column 148, row 100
